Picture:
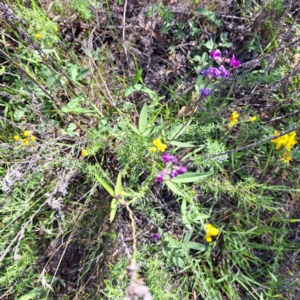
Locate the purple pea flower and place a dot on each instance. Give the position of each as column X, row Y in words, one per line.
column 204, row 93
column 161, row 176
column 215, row 55
column 203, row 73
column 166, row 158
column 155, row 237
column 223, row 71
column 173, row 174
column 234, row 62
column 214, row 72
column 179, row 169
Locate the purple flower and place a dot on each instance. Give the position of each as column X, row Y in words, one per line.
column 155, row 237
column 204, row 93
column 203, row 73
column 223, row 71
column 173, row 174
column 214, row 72
column 168, row 158
column 215, row 55
column 234, row 62
column 161, row 176
column 182, row 170
column 179, row 169
column 225, row 53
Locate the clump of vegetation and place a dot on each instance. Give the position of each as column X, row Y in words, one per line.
column 153, row 159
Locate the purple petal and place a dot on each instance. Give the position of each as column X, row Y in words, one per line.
column 155, row 237
column 173, row 174
column 204, row 93
column 214, row 72
column 168, row 158
column 234, row 62
column 223, row 71
column 215, row 55
column 182, row 170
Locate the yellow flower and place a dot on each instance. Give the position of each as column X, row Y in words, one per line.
column 286, row 158
column 210, row 232
column 208, row 239
column 33, row 138
column 233, row 119
column 290, row 140
column 38, row 36
column 287, row 140
column 27, row 133
column 156, row 142
column 162, row 147
column 84, row 152
column 153, row 149
column 25, row 142
column 253, row 119
column 55, row 28
column 16, row 137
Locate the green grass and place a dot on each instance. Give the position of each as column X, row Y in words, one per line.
column 72, row 224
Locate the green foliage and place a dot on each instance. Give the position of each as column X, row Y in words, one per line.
column 68, row 217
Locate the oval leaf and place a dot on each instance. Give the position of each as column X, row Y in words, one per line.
column 143, row 119
column 195, row 246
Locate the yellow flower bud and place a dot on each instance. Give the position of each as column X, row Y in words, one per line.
column 16, row 137
column 208, row 239
column 27, row 133
column 84, row 152
column 33, row 138
column 38, row 36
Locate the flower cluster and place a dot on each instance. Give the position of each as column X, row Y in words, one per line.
column 172, row 168
column 233, row 119
column 210, row 232
column 158, row 145
column 27, row 138
column 221, row 71
column 286, row 141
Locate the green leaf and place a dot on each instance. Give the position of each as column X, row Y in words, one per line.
column 108, row 188
column 71, row 127
column 187, row 237
column 143, row 119
column 195, row 246
column 19, row 114
column 118, row 186
column 190, row 177
column 212, row 17
column 137, row 78
column 178, row 261
column 174, row 188
column 182, row 145
column 2, row 70
column 133, row 128
column 183, row 207
column 113, row 209
column 178, row 130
